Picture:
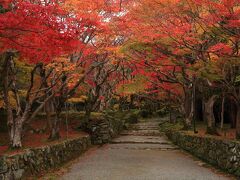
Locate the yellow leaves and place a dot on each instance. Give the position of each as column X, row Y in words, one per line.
column 112, row 49
column 69, row 68
column 73, row 78
column 61, row 59
column 91, row 9
column 213, row 57
column 12, row 101
column 116, row 106
column 136, row 86
column 114, row 62
column 22, row 93
column 78, row 99
column 86, row 5
column 200, row 29
column 64, row 65
column 58, row 63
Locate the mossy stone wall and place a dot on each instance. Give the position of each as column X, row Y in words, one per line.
column 225, row 154
column 42, row 159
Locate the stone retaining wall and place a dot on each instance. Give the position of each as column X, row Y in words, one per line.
column 102, row 131
column 34, row 161
column 224, row 154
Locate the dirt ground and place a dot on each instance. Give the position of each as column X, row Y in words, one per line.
column 33, row 139
column 226, row 133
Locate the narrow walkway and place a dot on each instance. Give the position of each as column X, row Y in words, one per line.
column 140, row 154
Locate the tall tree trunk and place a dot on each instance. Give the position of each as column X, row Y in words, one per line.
column 55, row 124
column 203, row 112
column 93, row 98
column 48, row 112
column 102, row 105
column 209, row 115
column 173, row 116
column 16, row 128
column 87, row 113
column 55, row 131
column 238, row 122
column 15, row 124
column 193, row 104
column 16, row 131
column 188, row 110
column 84, row 125
column 48, row 105
column 222, row 111
column 233, row 112
column 6, row 68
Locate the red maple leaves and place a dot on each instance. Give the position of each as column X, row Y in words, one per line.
column 39, row 32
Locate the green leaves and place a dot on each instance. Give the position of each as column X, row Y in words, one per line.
column 237, row 81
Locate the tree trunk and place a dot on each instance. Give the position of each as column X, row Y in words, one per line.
column 16, row 132
column 89, row 108
column 238, row 123
column 48, row 111
column 233, row 112
column 188, row 110
column 102, row 105
column 87, row 114
column 203, row 111
column 55, row 130
column 6, row 58
column 188, row 123
column 15, row 125
column 173, row 117
column 16, row 129
column 209, row 115
column 222, row 111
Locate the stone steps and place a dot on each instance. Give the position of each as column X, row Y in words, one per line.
column 140, row 140
column 134, row 142
column 142, row 133
column 144, row 146
column 145, row 128
column 143, row 136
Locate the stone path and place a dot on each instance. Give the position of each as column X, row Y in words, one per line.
column 140, row 154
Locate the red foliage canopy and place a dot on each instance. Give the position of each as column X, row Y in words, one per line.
column 39, row 32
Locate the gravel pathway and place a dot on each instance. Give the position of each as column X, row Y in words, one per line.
column 140, row 154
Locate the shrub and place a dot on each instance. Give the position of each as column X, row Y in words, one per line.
column 146, row 113
column 166, row 126
column 131, row 118
column 162, row 112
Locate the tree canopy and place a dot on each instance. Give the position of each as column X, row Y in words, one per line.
column 108, row 49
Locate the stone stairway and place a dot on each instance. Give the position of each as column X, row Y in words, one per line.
column 144, row 128
column 143, row 135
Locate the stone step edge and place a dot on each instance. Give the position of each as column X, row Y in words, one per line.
column 144, row 142
column 141, row 134
column 137, row 148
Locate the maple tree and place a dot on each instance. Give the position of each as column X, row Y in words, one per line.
column 175, row 42
column 39, row 33
column 98, row 54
